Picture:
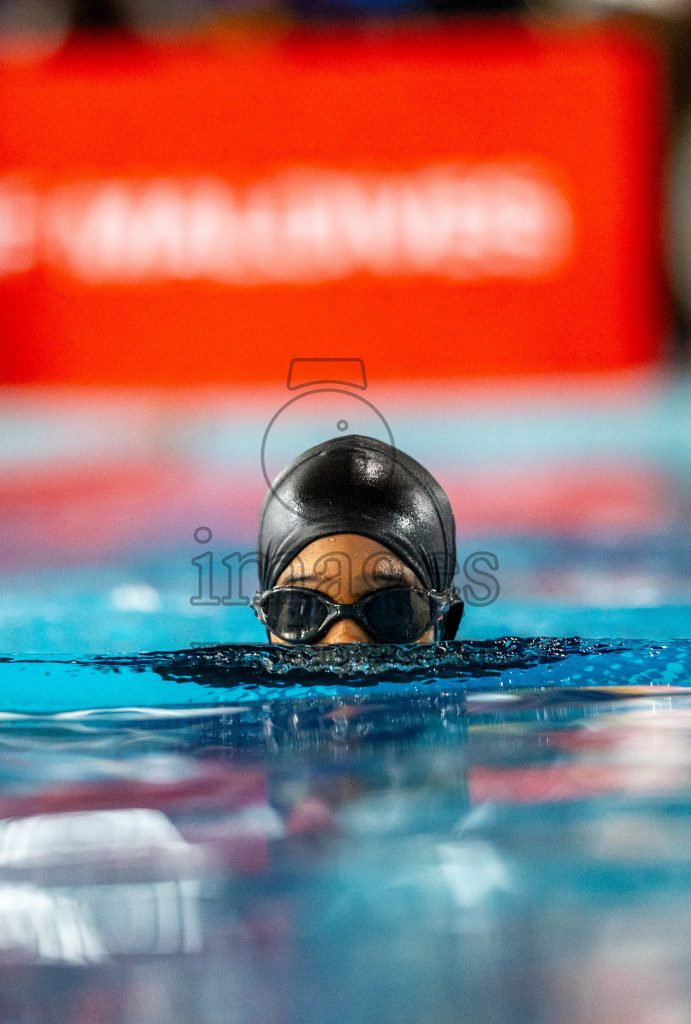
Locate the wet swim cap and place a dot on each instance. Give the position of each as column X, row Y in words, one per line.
column 357, row 484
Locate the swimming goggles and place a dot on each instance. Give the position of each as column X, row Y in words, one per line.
column 394, row 615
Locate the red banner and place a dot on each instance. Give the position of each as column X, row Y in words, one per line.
column 478, row 200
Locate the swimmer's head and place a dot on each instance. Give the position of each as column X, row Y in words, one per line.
column 348, row 518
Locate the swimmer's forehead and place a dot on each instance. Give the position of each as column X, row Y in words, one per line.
column 366, row 561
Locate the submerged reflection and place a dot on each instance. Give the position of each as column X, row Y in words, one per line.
column 47, row 926
column 86, row 837
column 474, row 872
column 494, row 858
column 82, row 913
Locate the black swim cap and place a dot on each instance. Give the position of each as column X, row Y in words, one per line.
column 357, row 484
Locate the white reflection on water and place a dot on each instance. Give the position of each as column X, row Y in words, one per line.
column 47, row 926
column 88, row 835
column 474, row 871
column 78, row 923
column 89, row 924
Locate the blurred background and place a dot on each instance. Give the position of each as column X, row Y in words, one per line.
column 483, row 207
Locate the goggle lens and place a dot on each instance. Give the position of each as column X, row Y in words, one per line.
column 294, row 615
column 396, row 616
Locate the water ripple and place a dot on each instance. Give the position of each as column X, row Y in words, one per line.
column 489, row 664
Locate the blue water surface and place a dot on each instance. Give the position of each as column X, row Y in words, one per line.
column 233, row 673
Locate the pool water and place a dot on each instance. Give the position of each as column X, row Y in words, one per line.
column 439, row 855
column 223, row 674
column 196, row 827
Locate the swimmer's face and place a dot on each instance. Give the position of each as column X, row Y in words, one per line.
column 346, row 567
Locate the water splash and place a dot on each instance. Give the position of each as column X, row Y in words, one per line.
column 246, row 672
